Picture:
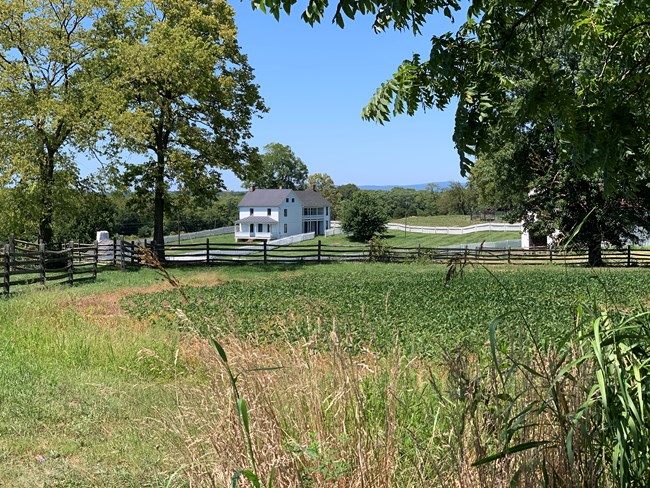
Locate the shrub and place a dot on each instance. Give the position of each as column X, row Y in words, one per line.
column 363, row 216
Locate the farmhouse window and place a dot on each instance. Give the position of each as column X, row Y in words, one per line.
column 268, row 211
column 251, row 211
column 285, row 228
column 268, row 227
column 285, row 212
column 260, row 227
column 293, row 200
column 327, row 210
column 287, row 200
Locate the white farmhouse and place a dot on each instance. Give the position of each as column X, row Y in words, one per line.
column 274, row 214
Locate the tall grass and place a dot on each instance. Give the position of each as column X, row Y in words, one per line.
column 571, row 412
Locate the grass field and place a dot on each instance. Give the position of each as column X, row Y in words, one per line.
column 93, row 395
column 397, row 238
column 440, row 221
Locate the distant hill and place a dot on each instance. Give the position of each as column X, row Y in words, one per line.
column 443, row 185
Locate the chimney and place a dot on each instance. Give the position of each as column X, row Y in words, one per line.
column 251, row 188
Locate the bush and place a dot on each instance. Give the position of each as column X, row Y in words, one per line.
column 363, row 216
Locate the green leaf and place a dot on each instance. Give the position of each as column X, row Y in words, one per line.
column 219, row 349
column 511, row 450
column 243, row 413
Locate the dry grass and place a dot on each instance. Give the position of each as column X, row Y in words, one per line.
column 326, row 419
column 307, row 419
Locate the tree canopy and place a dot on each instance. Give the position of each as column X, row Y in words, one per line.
column 324, row 184
column 605, row 88
column 280, row 168
column 48, row 101
column 363, row 216
column 188, row 98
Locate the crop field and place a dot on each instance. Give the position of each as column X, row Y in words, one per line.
column 113, row 384
column 377, row 307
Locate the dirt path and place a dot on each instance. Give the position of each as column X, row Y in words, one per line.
column 104, row 307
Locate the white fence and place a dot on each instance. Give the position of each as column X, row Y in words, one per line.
column 335, row 231
column 512, row 244
column 286, row 241
column 501, row 227
column 195, row 235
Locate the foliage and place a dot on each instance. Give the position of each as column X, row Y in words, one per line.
column 324, row 184
column 547, row 196
column 347, row 191
column 188, row 98
column 363, row 216
column 49, row 101
column 381, row 306
column 280, row 168
column 457, row 199
column 588, row 396
column 596, row 95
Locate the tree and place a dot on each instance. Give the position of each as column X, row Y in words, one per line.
column 48, row 99
column 347, row 191
column 547, row 196
column 534, row 171
column 601, row 114
column 188, row 98
column 363, row 216
column 280, row 168
column 324, row 184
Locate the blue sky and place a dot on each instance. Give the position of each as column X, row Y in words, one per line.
column 316, row 80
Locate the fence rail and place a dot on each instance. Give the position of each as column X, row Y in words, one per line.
column 27, row 263
column 492, row 227
column 125, row 254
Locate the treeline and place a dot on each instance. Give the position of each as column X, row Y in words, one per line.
column 85, row 211
column 456, row 199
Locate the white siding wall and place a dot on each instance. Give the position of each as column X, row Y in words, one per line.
column 259, row 212
column 293, row 218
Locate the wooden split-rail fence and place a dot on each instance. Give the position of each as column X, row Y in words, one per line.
column 124, row 254
column 28, row 263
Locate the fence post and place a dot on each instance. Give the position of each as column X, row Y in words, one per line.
column 96, row 260
column 122, row 254
column 509, row 253
column 71, row 263
column 550, row 255
column 466, row 253
column 114, row 251
column 41, row 260
column 12, row 252
column 265, row 253
column 319, row 251
column 207, row 251
column 419, row 251
column 6, row 268
column 629, row 255
column 132, row 253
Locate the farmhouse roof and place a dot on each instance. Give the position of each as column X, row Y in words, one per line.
column 275, row 198
column 311, row 198
column 264, row 198
column 256, row 219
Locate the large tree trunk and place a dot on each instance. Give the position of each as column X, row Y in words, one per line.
column 46, row 177
column 159, row 207
column 595, row 253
